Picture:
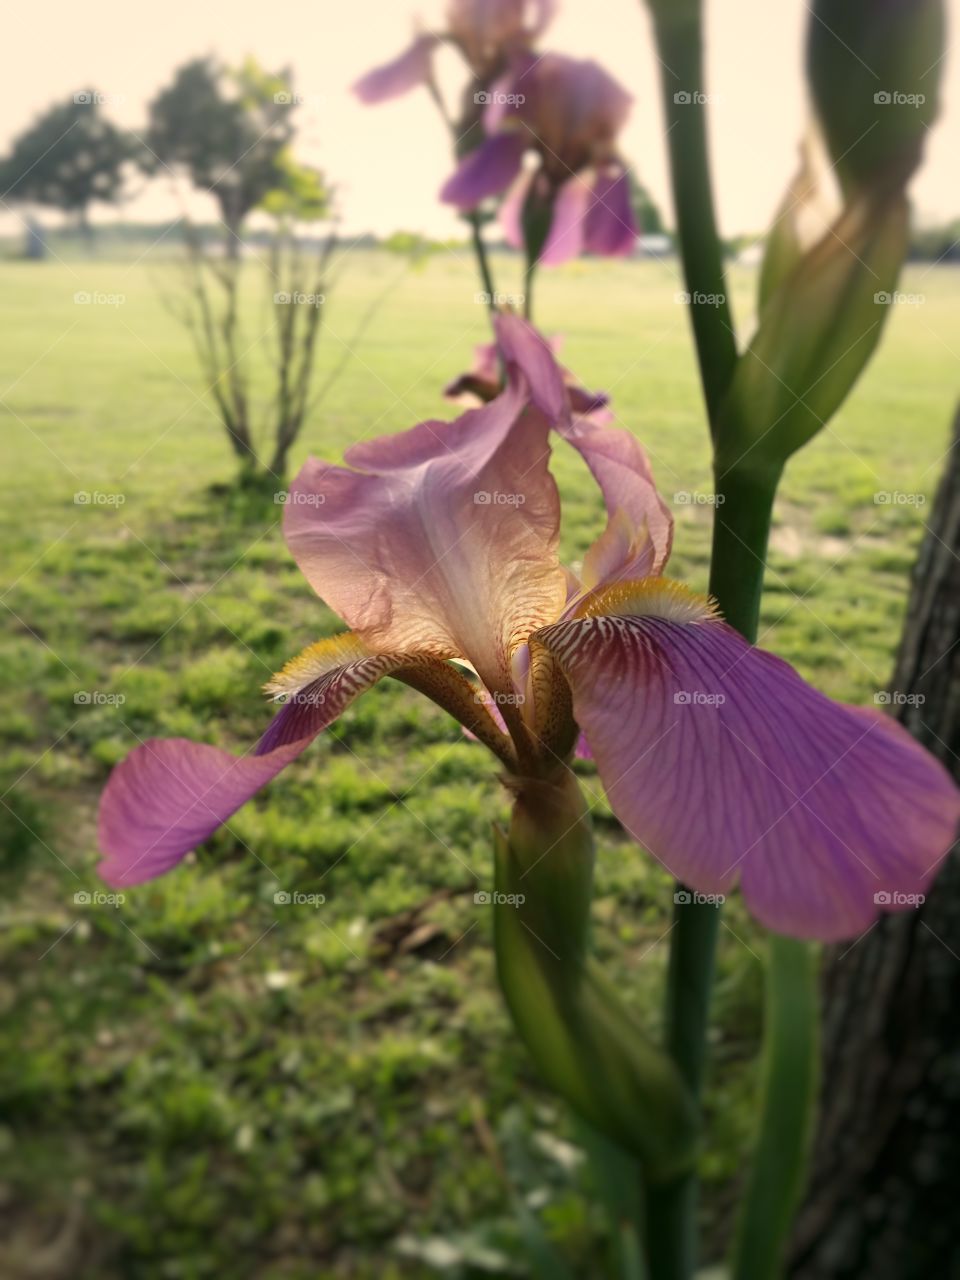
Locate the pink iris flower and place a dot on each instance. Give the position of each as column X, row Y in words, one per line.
column 568, row 113
column 486, row 32
column 438, row 547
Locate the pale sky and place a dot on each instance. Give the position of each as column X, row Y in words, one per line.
column 389, row 160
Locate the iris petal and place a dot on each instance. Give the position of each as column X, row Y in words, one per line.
column 485, row 171
column 401, row 75
column 170, row 794
column 442, row 539
column 726, row 765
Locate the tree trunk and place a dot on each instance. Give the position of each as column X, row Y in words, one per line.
column 36, row 246
column 885, row 1179
column 232, row 220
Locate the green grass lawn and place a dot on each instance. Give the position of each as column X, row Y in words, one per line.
column 200, row 1081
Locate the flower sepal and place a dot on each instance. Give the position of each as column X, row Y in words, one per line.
column 586, row 1045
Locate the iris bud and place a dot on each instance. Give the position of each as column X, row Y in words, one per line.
column 874, row 68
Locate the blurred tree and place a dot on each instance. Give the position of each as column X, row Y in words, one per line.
column 68, row 158
column 936, row 244
column 645, row 210
column 210, row 307
column 229, row 129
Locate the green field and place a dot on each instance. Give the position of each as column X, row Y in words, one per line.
column 200, row 1082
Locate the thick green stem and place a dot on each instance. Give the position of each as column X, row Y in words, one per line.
column 740, row 531
column 744, row 497
column 679, row 33
column 672, row 1209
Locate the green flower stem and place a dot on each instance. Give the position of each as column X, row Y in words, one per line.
column 741, row 530
column 537, row 217
column 671, row 1209
column 789, row 1079
column 483, row 261
column 678, row 26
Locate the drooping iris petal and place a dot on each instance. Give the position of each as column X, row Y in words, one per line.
column 725, row 764
column 170, row 794
column 511, row 211
column 404, row 73
column 485, row 171
column 610, row 228
column 636, row 542
column 592, row 214
column 443, row 539
column 565, row 238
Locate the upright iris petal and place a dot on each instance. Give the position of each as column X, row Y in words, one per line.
column 637, row 540
column 413, row 67
column 442, row 539
column 486, row 32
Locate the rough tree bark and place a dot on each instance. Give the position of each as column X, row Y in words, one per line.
column 885, row 1180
